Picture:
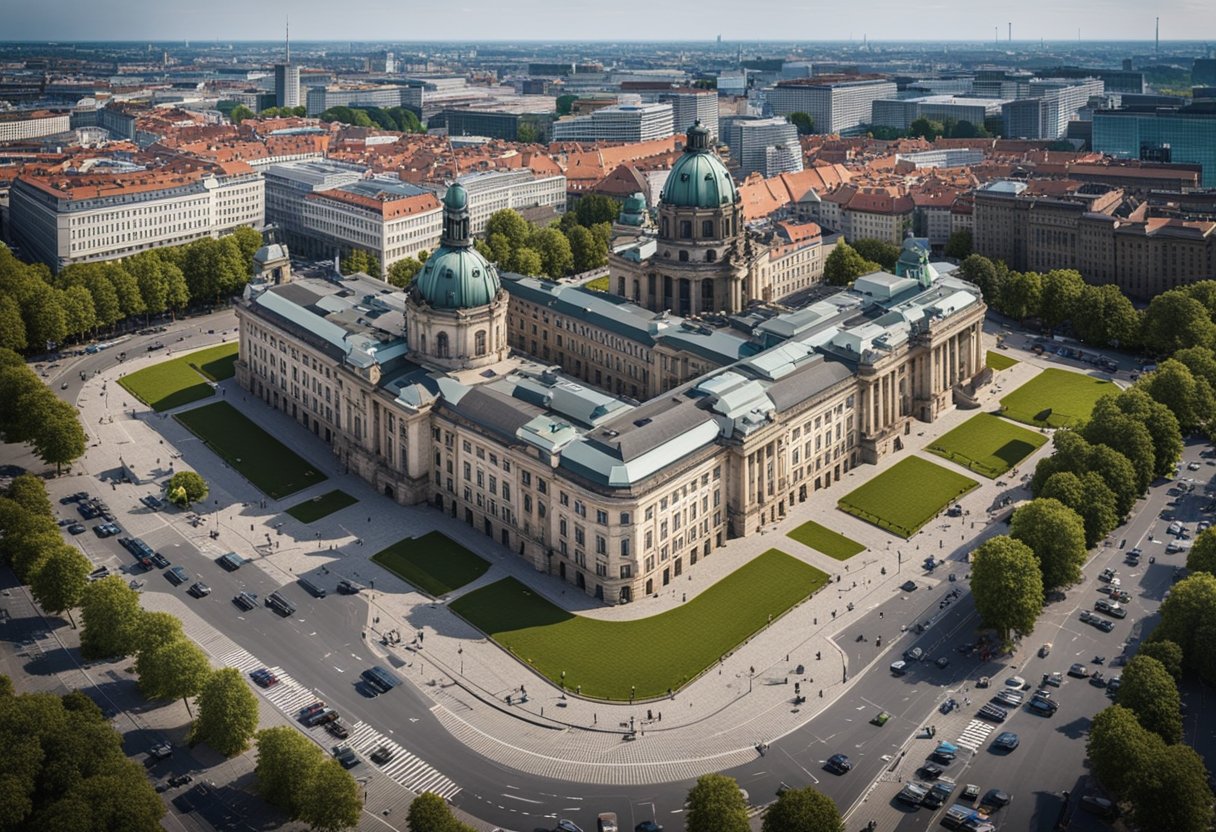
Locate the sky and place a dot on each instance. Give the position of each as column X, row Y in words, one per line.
column 735, row 21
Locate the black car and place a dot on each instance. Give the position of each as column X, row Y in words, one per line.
column 177, row 576
column 931, row 771
column 838, row 764
column 908, row 586
column 993, row 713
column 345, row 755
column 76, row 528
column 1042, row 706
column 199, row 589
column 245, row 600
column 158, row 560
column 337, row 728
column 345, row 587
column 383, row 754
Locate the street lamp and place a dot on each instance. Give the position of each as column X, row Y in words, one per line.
column 460, row 652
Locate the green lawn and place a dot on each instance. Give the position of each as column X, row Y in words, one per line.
column 822, row 539
column 988, row 445
column 907, row 496
column 663, row 651
column 259, row 457
column 1000, row 361
column 1056, row 398
column 313, row 510
column 434, row 563
column 182, row 380
column 600, row 284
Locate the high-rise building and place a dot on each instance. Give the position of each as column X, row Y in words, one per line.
column 287, row 79
column 1173, row 134
column 750, row 140
column 688, row 106
column 837, row 103
column 622, row 123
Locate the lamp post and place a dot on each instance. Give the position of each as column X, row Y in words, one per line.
column 460, row 652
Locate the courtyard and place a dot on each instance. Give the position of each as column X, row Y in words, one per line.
column 641, row 658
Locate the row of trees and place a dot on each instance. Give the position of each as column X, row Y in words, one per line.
column 295, row 775
column 576, row 243
column 64, row 768
column 31, row 413
column 931, row 129
column 399, row 119
column 39, row 310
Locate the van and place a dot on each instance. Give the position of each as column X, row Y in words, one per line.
column 1175, row 546
column 606, row 822
column 380, row 678
column 230, row 562
column 312, row 589
column 280, row 604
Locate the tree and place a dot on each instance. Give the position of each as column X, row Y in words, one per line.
column 1087, row 495
column 111, row 615
column 332, row 801
column 925, row 128
column 1120, row 749
column 130, row 302
column 1201, row 361
column 80, row 318
column 845, row 264
column 430, row 813
column 175, row 670
column 557, row 259
column 1166, row 652
column 978, row 269
column 1149, row 692
column 1007, row 586
column 158, row 628
column 45, row 320
column 526, row 133
column 227, row 712
column 1191, row 399
column 59, row 438
column 803, row 121
column 526, row 261
column 239, row 113
column 715, row 804
column 30, row 493
column 186, row 488
column 1061, row 292
column 565, row 103
column 1203, row 291
column 1175, row 321
column 1185, row 614
column 594, row 208
column 402, row 273
column 1056, row 535
column 586, row 249
column 248, row 241
column 1172, row 792
column 12, row 327
column 802, row 810
column 514, row 229
column 1202, row 556
column 1110, row 320
column 1162, row 426
column 1109, row 425
column 60, row 583
column 286, row 761
column 958, row 245
column 1021, row 295
column 878, row 251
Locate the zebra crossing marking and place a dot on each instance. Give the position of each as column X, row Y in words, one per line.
column 974, row 734
column 413, row 773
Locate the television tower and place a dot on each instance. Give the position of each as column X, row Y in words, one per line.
column 1011, row 31
column 1157, row 39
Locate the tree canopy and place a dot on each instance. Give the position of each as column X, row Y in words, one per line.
column 1056, row 535
column 958, row 245
column 802, row 810
column 227, row 712
column 882, row 252
column 715, row 804
column 186, row 488
column 1202, row 556
column 803, row 121
column 845, row 264
column 1148, row 691
column 1007, row 586
column 110, row 613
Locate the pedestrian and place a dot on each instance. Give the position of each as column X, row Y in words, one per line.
column 595, row 718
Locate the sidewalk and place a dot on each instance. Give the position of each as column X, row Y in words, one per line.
column 713, row 723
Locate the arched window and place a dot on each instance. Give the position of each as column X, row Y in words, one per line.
column 441, row 345
column 683, row 256
column 479, row 342
column 711, row 255
column 422, row 343
column 685, row 230
column 707, row 228
column 664, row 226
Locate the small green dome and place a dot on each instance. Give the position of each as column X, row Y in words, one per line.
column 698, row 179
column 457, row 278
column 456, row 198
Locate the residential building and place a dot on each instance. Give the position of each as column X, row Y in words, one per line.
column 287, row 85
column 86, row 217
column 1051, row 103
column 750, row 139
column 521, row 190
column 945, row 157
column 1174, row 134
column 900, row 113
column 621, row 123
column 18, row 126
column 838, row 103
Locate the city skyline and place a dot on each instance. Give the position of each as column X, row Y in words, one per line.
column 479, row 20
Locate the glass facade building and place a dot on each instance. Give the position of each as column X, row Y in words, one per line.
column 1184, row 135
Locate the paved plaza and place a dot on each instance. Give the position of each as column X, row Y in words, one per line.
column 713, row 723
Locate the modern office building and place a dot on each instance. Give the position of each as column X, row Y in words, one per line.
column 622, row 123
column 838, row 103
column 18, row 126
column 496, row 123
column 326, row 209
column 86, row 217
column 320, row 99
column 688, row 106
column 417, row 392
column 900, row 113
column 1173, row 134
column 287, row 85
column 521, row 190
column 1062, row 100
column 750, row 139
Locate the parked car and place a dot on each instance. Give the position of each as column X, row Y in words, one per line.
column 160, row 751
column 264, row 678
column 159, row 560
column 1053, row 679
column 940, row 793
column 151, row 502
column 230, row 562
column 383, row 754
column 1043, row 706
column 912, row 793
column 345, row 587
column 76, row 528
column 1110, row 608
column 337, row 728
column 345, row 755
column 199, row 589
column 1078, row 670
column 838, row 764
column 1006, row 740
column 914, row 654
column 908, row 586
column 993, row 713
column 176, row 575
column 931, row 771
column 995, row 799
column 322, row 717
column 245, row 600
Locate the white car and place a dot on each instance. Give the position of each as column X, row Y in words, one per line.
column 1015, row 682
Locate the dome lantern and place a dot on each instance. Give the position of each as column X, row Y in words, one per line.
column 698, row 179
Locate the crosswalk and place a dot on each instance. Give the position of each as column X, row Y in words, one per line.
column 974, row 734
column 290, row 697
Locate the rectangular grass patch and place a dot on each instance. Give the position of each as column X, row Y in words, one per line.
column 999, row 361
column 182, row 380
column 259, row 457
column 646, row 656
column 987, row 444
column 434, row 563
column 1056, row 398
column 313, row 510
column 822, row 539
column 907, row 496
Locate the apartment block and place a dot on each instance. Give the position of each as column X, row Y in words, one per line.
column 838, row 104
column 621, row 123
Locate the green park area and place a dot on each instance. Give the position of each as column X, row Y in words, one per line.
column 310, row 511
column 998, row 361
column 434, row 563
column 184, row 379
column 822, row 539
column 1056, row 398
column 906, row 496
column 259, row 457
column 647, row 656
column 987, row 444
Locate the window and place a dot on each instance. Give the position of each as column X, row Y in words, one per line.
column 625, row 518
column 707, row 228
column 525, row 478
column 601, row 517
column 685, row 231
column 601, row 545
column 441, row 345
column 479, row 341
column 625, row 547
column 627, row 570
column 683, row 256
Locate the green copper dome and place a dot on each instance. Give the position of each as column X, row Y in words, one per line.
column 456, row 276
column 698, row 179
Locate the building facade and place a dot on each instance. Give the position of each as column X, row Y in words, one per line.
column 621, row 123
column 750, row 140
column 838, row 104
column 15, row 127
column 688, row 106
column 287, row 85
column 1179, row 134
column 319, row 99
column 520, row 190
column 86, row 218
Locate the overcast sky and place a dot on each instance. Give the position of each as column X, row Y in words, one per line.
column 738, row 20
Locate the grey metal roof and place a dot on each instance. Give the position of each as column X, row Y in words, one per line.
column 807, row 382
column 493, row 410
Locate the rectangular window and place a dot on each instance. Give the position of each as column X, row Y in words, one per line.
column 601, row 517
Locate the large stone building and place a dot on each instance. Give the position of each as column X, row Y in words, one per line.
column 445, row 395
